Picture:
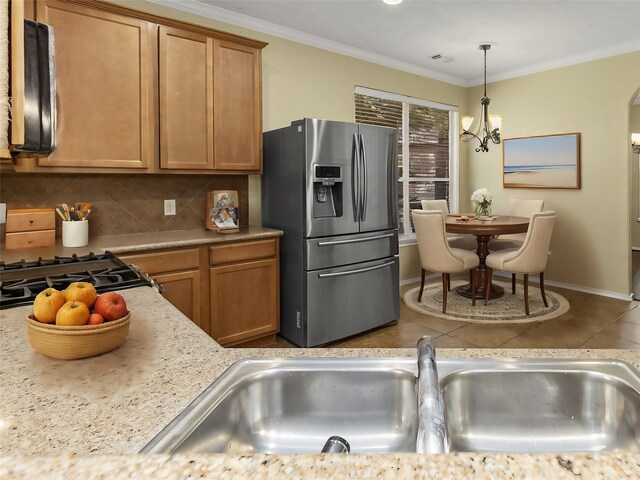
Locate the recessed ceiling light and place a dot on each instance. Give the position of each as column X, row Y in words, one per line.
column 392, row 2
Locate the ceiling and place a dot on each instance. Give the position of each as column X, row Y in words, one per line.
column 528, row 35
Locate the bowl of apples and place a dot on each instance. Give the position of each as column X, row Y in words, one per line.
column 77, row 322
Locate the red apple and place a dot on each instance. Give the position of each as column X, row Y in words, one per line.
column 111, row 306
column 95, row 319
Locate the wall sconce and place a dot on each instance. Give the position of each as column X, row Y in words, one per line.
column 635, row 142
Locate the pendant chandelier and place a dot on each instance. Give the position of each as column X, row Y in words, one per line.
column 489, row 126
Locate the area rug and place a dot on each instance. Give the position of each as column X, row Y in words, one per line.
column 507, row 309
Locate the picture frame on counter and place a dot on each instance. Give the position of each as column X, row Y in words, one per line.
column 222, row 211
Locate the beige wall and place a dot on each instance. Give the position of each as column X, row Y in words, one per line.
column 301, row 81
column 591, row 241
column 634, row 126
column 590, row 244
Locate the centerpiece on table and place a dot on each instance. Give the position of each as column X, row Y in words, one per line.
column 482, row 199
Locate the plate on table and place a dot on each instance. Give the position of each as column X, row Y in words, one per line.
column 487, row 219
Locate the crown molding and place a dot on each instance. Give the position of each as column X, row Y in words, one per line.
column 561, row 62
column 245, row 21
column 251, row 23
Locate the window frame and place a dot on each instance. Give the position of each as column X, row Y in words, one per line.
column 405, row 179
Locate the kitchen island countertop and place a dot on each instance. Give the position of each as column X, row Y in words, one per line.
column 87, row 418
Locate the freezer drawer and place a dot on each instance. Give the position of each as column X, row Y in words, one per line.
column 348, row 249
column 351, row 299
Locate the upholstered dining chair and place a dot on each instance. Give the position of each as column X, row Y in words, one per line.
column 437, row 256
column 530, row 258
column 466, row 242
column 518, row 207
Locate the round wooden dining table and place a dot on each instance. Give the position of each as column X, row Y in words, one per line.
column 484, row 230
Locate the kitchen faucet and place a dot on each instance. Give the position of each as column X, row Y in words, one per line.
column 431, row 422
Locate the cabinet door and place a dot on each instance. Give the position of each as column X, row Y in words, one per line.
column 186, row 99
column 179, row 273
column 244, row 301
column 105, row 87
column 182, row 289
column 237, row 107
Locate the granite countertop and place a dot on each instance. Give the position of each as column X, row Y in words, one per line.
column 87, row 418
column 142, row 241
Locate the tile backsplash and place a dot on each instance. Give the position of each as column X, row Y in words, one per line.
column 124, row 203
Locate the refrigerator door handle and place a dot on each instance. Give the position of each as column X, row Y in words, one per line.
column 352, row 272
column 365, row 181
column 355, row 178
column 355, row 240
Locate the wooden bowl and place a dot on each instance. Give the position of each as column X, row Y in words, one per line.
column 70, row 343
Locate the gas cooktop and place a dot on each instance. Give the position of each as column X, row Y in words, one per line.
column 21, row 281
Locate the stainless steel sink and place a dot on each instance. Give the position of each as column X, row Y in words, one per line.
column 295, row 405
column 542, row 406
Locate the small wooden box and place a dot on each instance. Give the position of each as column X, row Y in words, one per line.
column 30, row 228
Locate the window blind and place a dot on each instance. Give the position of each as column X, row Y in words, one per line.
column 426, row 175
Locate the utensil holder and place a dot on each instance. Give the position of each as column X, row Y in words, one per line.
column 75, row 234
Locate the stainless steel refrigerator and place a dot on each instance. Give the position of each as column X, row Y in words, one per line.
column 332, row 188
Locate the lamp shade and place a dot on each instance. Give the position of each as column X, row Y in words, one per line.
column 495, row 121
column 466, row 123
column 635, row 138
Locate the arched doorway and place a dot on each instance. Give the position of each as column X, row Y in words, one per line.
column 634, row 126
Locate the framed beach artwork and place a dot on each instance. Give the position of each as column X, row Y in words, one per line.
column 549, row 161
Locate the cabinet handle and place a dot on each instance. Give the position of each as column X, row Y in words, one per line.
column 30, row 221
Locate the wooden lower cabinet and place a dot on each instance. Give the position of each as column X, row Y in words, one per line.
column 178, row 271
column 244, row 292
column 230, row 290
column 244, row 302
column 183, row 289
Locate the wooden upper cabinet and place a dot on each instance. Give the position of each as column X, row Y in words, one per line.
column 105, row 87
column 186, row 99
column 237, row 107
column 141, row 93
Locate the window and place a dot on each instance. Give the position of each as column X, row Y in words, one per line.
column 427, row 147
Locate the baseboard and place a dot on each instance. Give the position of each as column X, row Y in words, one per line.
column 550, row 283
column 534, row 279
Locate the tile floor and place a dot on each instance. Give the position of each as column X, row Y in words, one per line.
column 592, row 321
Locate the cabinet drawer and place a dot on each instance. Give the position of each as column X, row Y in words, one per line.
column 42, row 238
column 164, row 261
column 31, row 219
column 237, row 252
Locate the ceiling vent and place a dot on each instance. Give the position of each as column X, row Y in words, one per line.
column 438, row 57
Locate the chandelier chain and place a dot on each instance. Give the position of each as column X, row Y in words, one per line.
column 485, row 72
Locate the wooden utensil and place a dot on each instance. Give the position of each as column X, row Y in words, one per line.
column 60, row 212
column 65, row 207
